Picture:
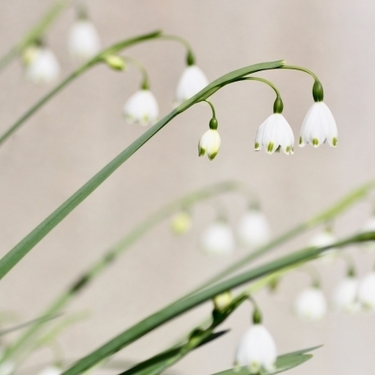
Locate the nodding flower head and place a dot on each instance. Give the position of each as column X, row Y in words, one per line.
column 191, row 82
column 318, row 127
column 141, row 107
column 209, row 144
column 83, row 42
column 366, row 292
column 42, row 66
column 257, row 350
column 311, row 304
column 218, row 239
column 275, row 134
column 345, row 295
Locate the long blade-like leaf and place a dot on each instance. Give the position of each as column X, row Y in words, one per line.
column 23, row 247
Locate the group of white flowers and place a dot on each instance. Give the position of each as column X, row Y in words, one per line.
column 41, row 64
column 253, row 231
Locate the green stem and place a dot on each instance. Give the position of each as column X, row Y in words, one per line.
column 82, row 69
column 35, row 32
column 36, row 235
column 88, row 276
column 327, row 214
column 212, row 108
column 301, row 69
column 266, row 81
column 181, row 306
column 142, row 69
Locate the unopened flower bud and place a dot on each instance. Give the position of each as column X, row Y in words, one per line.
column 115, row 62
column 181, row 223
column 223, row 300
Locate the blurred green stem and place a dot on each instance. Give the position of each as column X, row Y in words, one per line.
column 35, row 32
column 113, row 253
column 182, row 306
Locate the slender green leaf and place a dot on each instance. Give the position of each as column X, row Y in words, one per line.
column 175, row 309
column 284, row 362
column 35, row 236
column 163, row 360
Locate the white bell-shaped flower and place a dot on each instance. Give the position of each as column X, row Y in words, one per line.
column 218, row 239
column 257, row 350
column 191, row 82
column 83, row 41
column 51, row 370
column 318, row 126
column 209, row 144
column 345, row 295
column 366, row 292
column 141, row 107
column 43, row 68
column 253, row 229
column 275, row 134
column 7, row 368
column 311, row 304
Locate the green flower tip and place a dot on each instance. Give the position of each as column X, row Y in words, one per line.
column 270, row 147
column 315, row 142
column 201, row 151
column 257, row 146
column 300, row 141
column 334, row 142
column 212, row 156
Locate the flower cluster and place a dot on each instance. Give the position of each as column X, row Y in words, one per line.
column 41, row 64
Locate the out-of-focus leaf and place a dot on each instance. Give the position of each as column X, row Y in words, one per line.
column 283, row 363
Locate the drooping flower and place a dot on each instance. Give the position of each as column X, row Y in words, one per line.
column 191, row 82
column 141, row 107
column 257, row 350
column 311, row 304
column 275, row 134
column 318, row 126
column 218, row 239
column 345, row 295
column 366, row 292
column 51, row 370
column 209, row 144
column 253, row 229
column 83, row 41
column 42, row 66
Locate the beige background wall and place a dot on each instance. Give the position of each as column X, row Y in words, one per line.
column 74, row 136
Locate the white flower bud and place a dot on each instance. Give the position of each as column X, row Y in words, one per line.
column 366, row 292
column 83, row 41
column 253, row 229
column 218, row 239
column 311, row 304
column 209, row 144
column 191, row 82
column 345, row 295
column 43, row 67
column 257, row 350
column 141, row 107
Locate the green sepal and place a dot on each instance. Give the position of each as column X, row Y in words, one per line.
column 213, row 123
column 318, row 92
column 190, row 59
column 278, row 105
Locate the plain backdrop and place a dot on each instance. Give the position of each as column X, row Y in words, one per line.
column 81, row 130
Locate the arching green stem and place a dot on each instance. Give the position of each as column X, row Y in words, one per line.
column 212, row 108
column 36, row 235
column 89, row 275
column 145, row 77
column 82, row 69
column 190, row 58
column 181, row 306
column 301, row 69
column 263, row 80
